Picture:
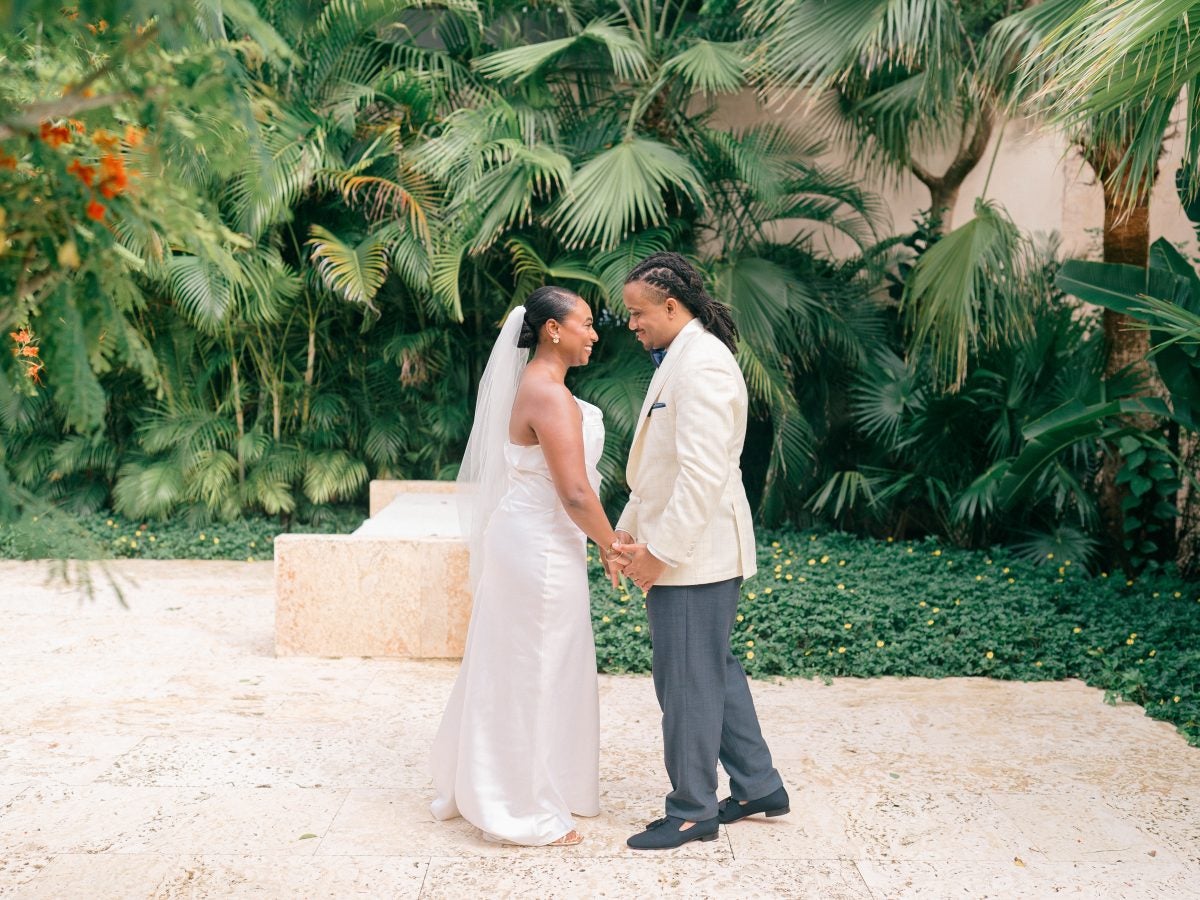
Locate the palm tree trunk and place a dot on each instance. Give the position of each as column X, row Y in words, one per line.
column 1187, row 533
column 1126, row 240
column 239, row 416
column 309, row 370
column 944, row 188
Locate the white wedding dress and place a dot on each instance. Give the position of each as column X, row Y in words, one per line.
column 518, row 748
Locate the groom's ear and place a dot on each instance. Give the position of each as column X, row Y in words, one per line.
column 672, row 307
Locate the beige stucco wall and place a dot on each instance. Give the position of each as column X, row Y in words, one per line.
column 1037, row 177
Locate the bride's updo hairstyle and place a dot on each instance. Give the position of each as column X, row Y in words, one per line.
column 546, row 303
column 673, row 276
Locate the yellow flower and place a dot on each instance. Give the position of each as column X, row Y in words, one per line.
column 749, row 654
column 801, row 578
column 921, row 604
column 824, row 559
column 749, row 643
column 1012, row 581
column 841, row 587
column 989, row 654
column 741, row 618
column 133, row 543
column 910, row 549
column 1049, row 556
column 812, row 562
column 153, row 539
column 841, row 649
column 779, row 568
column 1129, row 642
column 929, row 622
column 1178, row 595
column 216, row 540
column 987, row 561
column 957, row 600
column 787, row 562
column 109, row 522
column 812, row 537
column 879, row 643
column 1175, row 698
column 1133, row 634
column 774, row 543
column 624, row 598
column 766, row 591
column 1129, row 583
column 605, row 619
column 848, row 625
column 890, row 539
column 937, row 552
column 202, row 536
column 635, row 627
column 979, row 578
column 1153, row 652
column 937, row 609
column 1076, row 630
column 788, row 576
column 254, row 543
column 1103, row 574
column 1038, row 664
column 841, row 562
column 751, row 595
column 249, row 559
column 1155, row 594
column 1066, row 562
column 1005, row 570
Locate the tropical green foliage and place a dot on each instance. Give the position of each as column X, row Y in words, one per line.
column 310, row 217
column 403, row 175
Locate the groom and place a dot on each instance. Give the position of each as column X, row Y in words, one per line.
column 694, row 545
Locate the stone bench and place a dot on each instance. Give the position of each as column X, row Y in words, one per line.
column 397, row 586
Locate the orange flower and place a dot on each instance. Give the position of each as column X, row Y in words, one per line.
column 86, row 174
column 115, row 178
column 95, row 210
column 76, row 125
column 134, row 135
column 6, row 161
column 21, row 336
column 33, row 372
column 55, row 135
column 29, row 350
column 106, row 141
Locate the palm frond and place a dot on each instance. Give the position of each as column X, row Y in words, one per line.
column 624, row 188
column 355, row 272
column 712, row 67
column 955, row 296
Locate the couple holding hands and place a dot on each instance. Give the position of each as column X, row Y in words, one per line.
column 517, row 753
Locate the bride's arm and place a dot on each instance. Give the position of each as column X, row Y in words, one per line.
column 556, row 420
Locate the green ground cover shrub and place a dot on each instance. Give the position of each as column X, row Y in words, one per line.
column 831, row 604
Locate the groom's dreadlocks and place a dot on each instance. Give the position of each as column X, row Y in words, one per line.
column 674, row 276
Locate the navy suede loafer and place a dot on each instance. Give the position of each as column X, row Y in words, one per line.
column 774, row 804
column 665, row 834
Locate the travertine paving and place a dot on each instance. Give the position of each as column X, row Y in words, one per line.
column 163, row 751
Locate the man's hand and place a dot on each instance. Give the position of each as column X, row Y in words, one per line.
column 644, row 568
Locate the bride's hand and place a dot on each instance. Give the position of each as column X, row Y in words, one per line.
column 614, row 566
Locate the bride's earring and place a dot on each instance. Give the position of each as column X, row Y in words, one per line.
column 556, row 339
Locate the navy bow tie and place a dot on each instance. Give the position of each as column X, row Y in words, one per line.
column 658, row 356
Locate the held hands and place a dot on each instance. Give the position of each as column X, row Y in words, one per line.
column 614, row 561
column 643, row 568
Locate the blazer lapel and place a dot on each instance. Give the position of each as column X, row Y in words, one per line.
column 663, row 373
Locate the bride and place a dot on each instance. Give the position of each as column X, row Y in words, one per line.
column 517, row 752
